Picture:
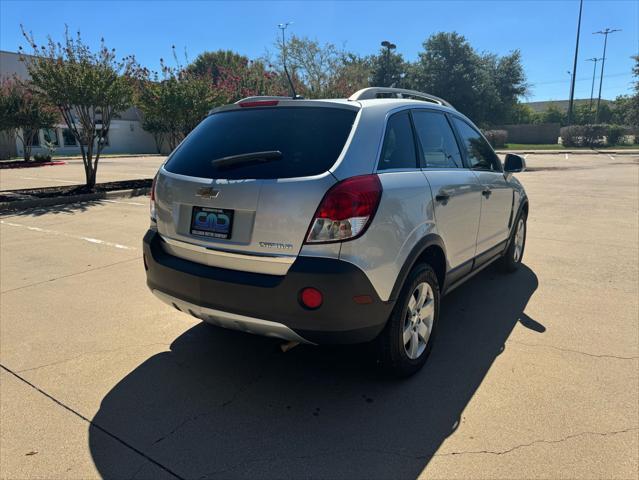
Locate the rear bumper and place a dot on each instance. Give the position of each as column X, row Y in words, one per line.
column 268, row 304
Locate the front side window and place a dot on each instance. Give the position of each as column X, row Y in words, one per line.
column 50, row 136
column 399, row 146
column 480, row 154
column 439, row 147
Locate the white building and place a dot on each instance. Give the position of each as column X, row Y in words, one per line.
column 126, row 134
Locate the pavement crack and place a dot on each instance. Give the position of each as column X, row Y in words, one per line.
column 97, row 352
column 568, row 350
column 240, row 391
column 94, row 425
column 535, row 442
column 403, row 454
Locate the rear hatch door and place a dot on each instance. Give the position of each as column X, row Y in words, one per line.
column 242, row 189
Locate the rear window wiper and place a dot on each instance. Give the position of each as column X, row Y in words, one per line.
column 246, row 158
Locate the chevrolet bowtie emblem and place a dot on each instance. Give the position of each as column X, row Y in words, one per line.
column 207, row 192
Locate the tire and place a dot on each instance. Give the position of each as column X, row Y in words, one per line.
column 511, row 260
column 400, row 358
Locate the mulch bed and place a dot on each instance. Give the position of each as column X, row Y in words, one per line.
column 23, row 164
column 70, row 191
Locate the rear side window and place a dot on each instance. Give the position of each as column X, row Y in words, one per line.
column 480, row 154
column 439, row 147
column 399, row 146
column 310, row 140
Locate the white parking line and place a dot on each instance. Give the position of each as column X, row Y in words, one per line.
column 125, row 203
column 611, row 157
column 62, row 234
column 51, row 180
column 566, row 156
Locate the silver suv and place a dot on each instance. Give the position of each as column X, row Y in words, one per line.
column 332, row 221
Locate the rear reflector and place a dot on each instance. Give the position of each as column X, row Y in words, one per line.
column 260, row 103
column 363, row 299
column 346, row 210
column 311, row 298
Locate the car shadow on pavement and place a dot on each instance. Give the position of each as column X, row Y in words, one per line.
column 66, row 208
column 231, row 405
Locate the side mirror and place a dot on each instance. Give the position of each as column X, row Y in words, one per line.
column 514, row 163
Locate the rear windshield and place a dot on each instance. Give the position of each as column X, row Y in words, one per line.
column 309, row 138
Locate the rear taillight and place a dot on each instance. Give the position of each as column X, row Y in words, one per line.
column 346, row 210
column 152, row 202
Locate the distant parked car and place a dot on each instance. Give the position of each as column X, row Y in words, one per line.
column 332, row 221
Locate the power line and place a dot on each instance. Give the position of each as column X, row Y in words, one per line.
column 583, row 79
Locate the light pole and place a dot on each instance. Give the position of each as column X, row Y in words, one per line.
column 574, row 66
column 389, row 46
column 283, row 27
column 605, row 33
column 594, row 74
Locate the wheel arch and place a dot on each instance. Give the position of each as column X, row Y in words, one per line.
column 429, row 249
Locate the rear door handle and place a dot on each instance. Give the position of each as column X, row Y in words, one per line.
column 442, row 196
column 486, row 192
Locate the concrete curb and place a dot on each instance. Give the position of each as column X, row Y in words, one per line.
column 134, row 155
column 572, row 152
column 87, row 197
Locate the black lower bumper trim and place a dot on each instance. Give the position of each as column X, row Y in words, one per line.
column 270, row 297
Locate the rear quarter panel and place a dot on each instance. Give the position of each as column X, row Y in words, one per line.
column 404, row 216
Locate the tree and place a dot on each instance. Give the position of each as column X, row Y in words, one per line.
column 311, row 64
column 89, row 89
column 352, row 74
column 485, row 87
column 248, row 80
column 448, row 67
column 388, row 69
column 553, row 114
column 24, row 112
column 632, row 117
column 506, row 81
column 523, row 114
column 214, row 64
column 172, row 102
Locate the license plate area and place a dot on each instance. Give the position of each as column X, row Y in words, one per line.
column 212, row 222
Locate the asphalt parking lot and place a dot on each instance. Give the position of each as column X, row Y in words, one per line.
column 534, row 375
column 110, row 169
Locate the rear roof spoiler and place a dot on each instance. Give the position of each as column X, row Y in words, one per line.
column 264, row 98
column 387, row 92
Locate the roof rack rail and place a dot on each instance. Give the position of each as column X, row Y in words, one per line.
column 388, row 92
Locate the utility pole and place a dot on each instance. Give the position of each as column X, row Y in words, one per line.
column 605, row 33
column 389, row 46
column 594, row 74
column 574, row 67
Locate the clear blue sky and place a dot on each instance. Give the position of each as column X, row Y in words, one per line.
column 544, row 31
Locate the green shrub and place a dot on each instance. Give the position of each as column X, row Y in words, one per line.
column 497, row 138
column 41, row 157
column 616, row 135
column 570, row 136
column 584, row 135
